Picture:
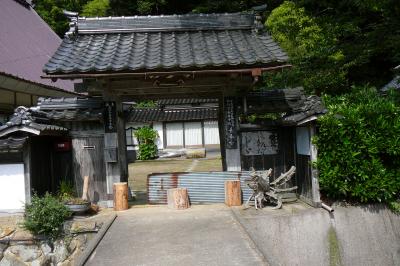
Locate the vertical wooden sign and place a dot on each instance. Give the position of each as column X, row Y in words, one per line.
column 110, row 117
column 230, row 122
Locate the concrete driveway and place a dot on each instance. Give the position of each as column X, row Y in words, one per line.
column 201, row 235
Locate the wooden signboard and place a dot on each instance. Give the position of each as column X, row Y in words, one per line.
column 259, row 143
column 110, row 117
column 230, row 123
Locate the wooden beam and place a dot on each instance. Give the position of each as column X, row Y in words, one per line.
column 196, row 73
column 127, row 97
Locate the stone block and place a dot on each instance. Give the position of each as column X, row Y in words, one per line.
column 83, row 226
column 6, row 231
column 24, row 253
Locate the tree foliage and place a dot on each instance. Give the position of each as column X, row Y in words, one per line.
column 146, row 137
column 359, row 146
column 156, row 7
column 336, row 44
column 96, row 8
column 51, row 11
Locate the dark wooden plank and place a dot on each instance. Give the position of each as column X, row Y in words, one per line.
column 303, row 176
column 90, row 162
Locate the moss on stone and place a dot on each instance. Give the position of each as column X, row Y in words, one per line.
column 334, row 250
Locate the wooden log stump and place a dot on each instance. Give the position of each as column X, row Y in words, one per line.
column 120, row 196
column 233, row 195
column 195, row 153
column 178, row 198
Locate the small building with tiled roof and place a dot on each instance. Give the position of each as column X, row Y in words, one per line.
column 180, row 123
column 193, row 56
column 26, row 44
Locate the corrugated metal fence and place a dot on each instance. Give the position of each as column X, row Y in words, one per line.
column 203, row 187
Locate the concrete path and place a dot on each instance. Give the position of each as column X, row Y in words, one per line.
column 202, row 235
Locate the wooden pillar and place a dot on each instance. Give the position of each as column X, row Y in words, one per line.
column 221, row 131
column 231, row 136
column 178, row 198
column 120, row 196
column 114, row 140
column 26, row 153
column 233, row 195
column 314, row 172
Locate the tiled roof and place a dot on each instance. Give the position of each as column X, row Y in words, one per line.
column 29, row 120
column 71, row 109
column 12, row 143
column 26, row 44
column 312, row 106
column 184, row 42
column 284, row 100
column 69, row 103
column 159, row 115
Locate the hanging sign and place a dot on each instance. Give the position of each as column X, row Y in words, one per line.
column 110, row 117
column 230, row 123
column 259, row 143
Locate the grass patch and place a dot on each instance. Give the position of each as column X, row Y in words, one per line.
column 207, row 165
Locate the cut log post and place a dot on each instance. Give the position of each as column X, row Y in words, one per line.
column 85, row 187
column 195, row 153
column 120, row 196
column 233, row 195
column 178, row 198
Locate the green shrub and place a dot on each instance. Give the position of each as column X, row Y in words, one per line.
column 45, row 216
column 359, row 147
column 147, row 148
column 395, row 206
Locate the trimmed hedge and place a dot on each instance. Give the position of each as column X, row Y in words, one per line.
column 359, row 146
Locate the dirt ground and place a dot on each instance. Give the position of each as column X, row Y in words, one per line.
column 139, row 170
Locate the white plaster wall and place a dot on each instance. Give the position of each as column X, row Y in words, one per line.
column 193, row 134
column 211, row 132
column 12, row 187
column 158, row 126
column 174, row 134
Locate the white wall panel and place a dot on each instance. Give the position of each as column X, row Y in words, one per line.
column 211, row 132
column 303, row 140
column 12, row 187
column 193, row 135
column 158, row 126
column 174, row 134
